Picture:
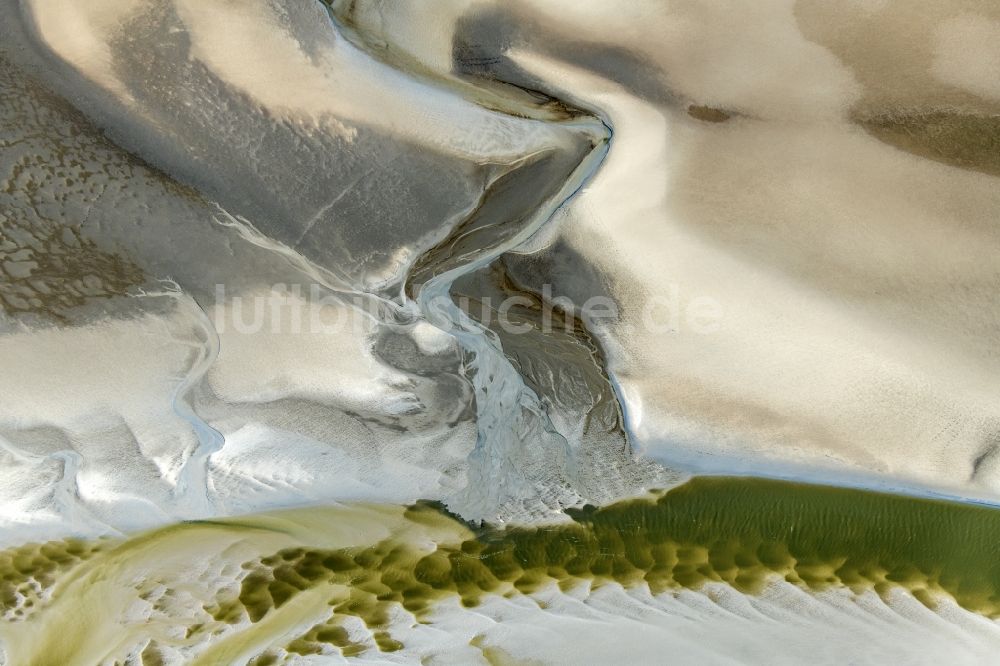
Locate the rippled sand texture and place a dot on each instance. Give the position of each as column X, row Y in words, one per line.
column 833, row 200
column 254, row 256
column 825, row 174
column 224, row 156
column 408, row 584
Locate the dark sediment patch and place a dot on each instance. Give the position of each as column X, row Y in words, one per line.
column 48, row 265
column 957, row 139
column 708, row 114
column 505, row 208
column 548, row 342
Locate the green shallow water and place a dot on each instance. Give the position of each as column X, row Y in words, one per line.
column 746, row 529
column 739, row 531
column 286, row 568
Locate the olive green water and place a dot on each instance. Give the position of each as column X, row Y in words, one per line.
column 742, row 532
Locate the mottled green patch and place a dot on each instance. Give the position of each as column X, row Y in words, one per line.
column 734, row 531
column 151, row 655
column 266, row 659
column 742, row 532
column 28, row 572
